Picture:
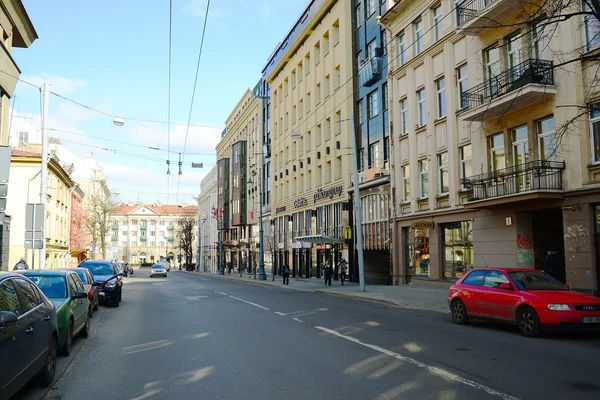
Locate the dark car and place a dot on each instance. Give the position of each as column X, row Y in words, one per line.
column 28, row 334
column 107, row 273
column 87, row 279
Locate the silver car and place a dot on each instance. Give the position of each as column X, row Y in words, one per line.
column 158, row 270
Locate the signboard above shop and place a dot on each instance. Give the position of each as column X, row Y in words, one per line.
column 422, row 224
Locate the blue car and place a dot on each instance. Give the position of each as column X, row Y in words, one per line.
column 28, row 334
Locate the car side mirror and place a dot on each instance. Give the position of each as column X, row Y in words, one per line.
column 7, row 317
column 79, row 295
column 506, row 286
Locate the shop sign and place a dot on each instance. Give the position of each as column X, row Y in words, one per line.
column 280, row 209
column 301, row 202
column 347, row 233
column 423, row 224
column 328, row 193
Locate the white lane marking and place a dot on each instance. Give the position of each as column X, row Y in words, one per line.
column 255, row 305
column 200, row 286
column 236, row 298
column 297, row 319
column 416, row 363
column 279, row 313
column 224, row 294
column 193, row 298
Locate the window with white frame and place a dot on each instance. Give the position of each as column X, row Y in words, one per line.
column 372, row 49
column 465, row 162
column 440, row 88
column 24, row 136
column 497, row 152
column 338, row 77
column 591, row 29
column 423, row 179
column 422, row 107
column 384, row 94
column 462, row 76
column 361, row 112
column 371, row 7
column 401, row 49
column 406, row 183
column 418, row 35
column 546, row 138
column 541, row 42
column 403, row 116
column 383, row 42
column 443, row 173
column 595, row 131
column 437, row 22
column 359, row 16
column 373, row 103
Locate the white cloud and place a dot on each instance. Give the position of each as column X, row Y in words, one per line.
column 58, row 84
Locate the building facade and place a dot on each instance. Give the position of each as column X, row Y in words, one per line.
column 143, row 233
column 207, row 204
column 311, row 104
column 77, row 228
column 25, row 168
column 492, row 164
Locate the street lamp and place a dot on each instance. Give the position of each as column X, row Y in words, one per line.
column 262, row 276
column 218, row 215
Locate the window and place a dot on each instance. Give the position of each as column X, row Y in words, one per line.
column 498, row 156
column 300, row 72
column 475, row 278
column 161, row 244
column 458, row 249
column 162, row 223
column 294, row 115
column 383, row 42
column 338, row 168
column 152, row 244
column 437, row 23
column 546, row 139
column 386, row 148
column 421, row 252
column 307, row 63
column 422, row 107
column 406, row 183
column 595, row 131
column 9, row 301
column 338, row 77
column 308, row 102
column 326, row 43
column 124, row 244
column 338, row 123
column 134, row 244
column 317, row 53
column 294, row 79
column 318, row 94
column 491, row 59
column 336, row 32
column 371, row 6
column 465, row 163
column 515, row 51
column 443, row 173
column 440, row 87
column 372, row 49
column 327, row 129
column 463, row 85
column 124, row 233
column 374, row 155
column 401, row 48
column 29, row 295
column 24, row 137
column 418, row 35
column 591, row 27
column 384, row 94
column 403, row 116
column 152, row 233
column 423, row 192
column 359, row 16
column 361, row 112
column 494, row 279
column 361, row 160
column 327, row 86
column 541, row 43
column 300, row 109
column 373, row 104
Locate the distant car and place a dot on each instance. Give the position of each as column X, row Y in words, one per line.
column 531, row 299
column 73, row 309
column 87, row 279
column 158, row 269
column 106, row 272
column 28, row 334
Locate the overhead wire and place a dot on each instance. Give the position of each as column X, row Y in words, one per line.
column 169, row 103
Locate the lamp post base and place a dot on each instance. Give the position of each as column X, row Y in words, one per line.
column 262, row 275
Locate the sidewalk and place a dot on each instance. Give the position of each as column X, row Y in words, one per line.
column 406, row 296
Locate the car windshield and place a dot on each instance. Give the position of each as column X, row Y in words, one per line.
column 536, row 281
column 52, row 286
column 157, row 267
column 99, row 269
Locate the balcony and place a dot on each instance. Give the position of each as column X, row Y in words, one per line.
column 532, row 180
column 114, row 238
column 143, row 227
column 170, row 227
column 115, row 227
column 170, row 238
column 526, row 83
column 143, row 238
column 477, row 16
column 369, row 71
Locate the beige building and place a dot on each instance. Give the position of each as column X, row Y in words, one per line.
column 143, row 233
column 310, row 75
column 493, row 166
column 25, row 167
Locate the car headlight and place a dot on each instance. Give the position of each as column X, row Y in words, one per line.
column 110, row 284
column 559, row 307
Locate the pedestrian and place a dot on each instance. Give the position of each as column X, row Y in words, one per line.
column 343, row 270
column 21, row 265
column 327, row 273
column 286, row 275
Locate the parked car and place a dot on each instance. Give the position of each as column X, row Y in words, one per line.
column 108, row 276
column 28, row 334
column 92, row 290
column 73, row 309
column 532, row 299
column 158, row 270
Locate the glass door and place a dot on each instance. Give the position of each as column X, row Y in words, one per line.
column 520, row 145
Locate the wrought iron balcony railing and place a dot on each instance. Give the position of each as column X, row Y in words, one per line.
column 370, row 71
column 530, row 71
column 534, row 176
column 468, row 9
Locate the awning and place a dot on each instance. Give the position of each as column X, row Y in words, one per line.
column 78, row 252
column 318, row 239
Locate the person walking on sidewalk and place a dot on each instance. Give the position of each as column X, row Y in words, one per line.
column 327, row 273
column 343, row 270
column 21, row 265
column 286, row 275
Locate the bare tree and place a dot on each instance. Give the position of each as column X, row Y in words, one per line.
column 187, row 237
column 97, row 220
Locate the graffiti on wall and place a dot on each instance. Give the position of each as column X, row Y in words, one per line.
column 525, row 256
column 576, row 236
column 524, row 241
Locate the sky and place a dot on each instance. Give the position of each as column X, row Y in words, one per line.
column 112, row 56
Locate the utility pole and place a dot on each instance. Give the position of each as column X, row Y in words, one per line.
column 357, row 210
column 44, row 177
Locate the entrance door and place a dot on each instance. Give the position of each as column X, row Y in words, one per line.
column 520, row 157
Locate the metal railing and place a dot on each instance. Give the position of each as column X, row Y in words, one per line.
column 468, row 9
column 534, row 176
column 370, row 71
column 530, row 71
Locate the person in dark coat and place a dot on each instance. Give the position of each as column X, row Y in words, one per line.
column 286, row 275
column 343, row 271
column 553, row 265
column 327, row 273
column 21, row 265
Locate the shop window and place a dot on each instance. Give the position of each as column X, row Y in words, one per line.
column 421, row 252
column 457, row 241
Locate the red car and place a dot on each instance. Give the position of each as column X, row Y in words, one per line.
column 88, row 283
column 532, row 299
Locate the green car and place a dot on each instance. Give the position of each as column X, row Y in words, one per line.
column 73, row 309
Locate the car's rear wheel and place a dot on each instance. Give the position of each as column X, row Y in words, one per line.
column 46, row 374
column 459, row 312
column 85, row 332
column 68, row 345
column 528, row 322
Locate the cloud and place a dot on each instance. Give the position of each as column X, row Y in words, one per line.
column 58, row 84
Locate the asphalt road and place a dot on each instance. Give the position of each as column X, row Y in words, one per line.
column 196, row 337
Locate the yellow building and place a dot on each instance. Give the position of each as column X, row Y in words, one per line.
column 311, row 79
column 495, row 148
column 25, row 167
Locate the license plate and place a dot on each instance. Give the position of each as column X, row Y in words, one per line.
column 590, row 320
